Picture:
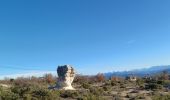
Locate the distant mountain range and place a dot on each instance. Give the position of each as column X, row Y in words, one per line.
column 140, row 72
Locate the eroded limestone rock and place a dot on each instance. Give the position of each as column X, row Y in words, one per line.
column 66, row 76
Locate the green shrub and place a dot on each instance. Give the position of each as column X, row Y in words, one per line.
column 96, row 91
column 153, row 86
column 69, row 94
column 45, row 94
column 106, row 88
column 92, row 97
column 160, row 97
column 8, row 95
column 113, row 83
column 86, row 85
column 140, row 82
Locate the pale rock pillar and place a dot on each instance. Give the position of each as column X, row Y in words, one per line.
column 66, row 76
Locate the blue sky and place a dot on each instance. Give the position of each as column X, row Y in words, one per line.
column 92, row 35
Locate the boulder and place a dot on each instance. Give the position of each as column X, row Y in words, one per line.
column 66, row 75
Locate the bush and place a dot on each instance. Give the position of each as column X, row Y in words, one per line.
column 45, row 94
column 69, row 94
column 140, row 82
column 96, row 91
column 29, row 91
column 113, row 83
column 153, row 86
column 92, row 97
column 160, row 97
column 8, row 95
column 106, row 88
column 86, row 85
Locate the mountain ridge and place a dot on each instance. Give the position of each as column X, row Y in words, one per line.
column 139, row 72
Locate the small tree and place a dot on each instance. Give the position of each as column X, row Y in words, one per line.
column 100, row 77
column 49, row 78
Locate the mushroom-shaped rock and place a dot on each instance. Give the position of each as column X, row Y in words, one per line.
column 66, row 76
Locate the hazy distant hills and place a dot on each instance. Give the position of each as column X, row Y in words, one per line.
column 140, row 72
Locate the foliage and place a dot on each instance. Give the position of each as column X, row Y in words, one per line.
column 49, row 78
column 88, row 88
column 100, row 77
column 160, row 97
column 86, row 85
column 140, row 82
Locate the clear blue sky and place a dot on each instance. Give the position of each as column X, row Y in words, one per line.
column 92, row 35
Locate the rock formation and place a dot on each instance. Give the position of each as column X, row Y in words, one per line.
column 66, row 76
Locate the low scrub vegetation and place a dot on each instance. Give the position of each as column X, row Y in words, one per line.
column 87, row 88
